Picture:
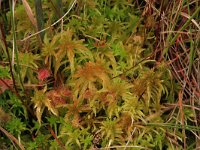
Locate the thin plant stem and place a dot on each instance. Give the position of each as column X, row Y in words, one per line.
column 40, row 18
column 8, row 55
column 28, row 37
column 15, row 49
column 12, row 138
column 181, row 29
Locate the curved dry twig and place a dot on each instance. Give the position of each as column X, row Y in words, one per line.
column 28, row 37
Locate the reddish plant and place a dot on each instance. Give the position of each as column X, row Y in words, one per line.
column 43, row 74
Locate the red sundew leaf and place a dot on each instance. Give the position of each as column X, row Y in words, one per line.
column 88, row 94
column 59, row 95
column 43, row 74
column 5, row 84
column 64, row 91
column 57, row 101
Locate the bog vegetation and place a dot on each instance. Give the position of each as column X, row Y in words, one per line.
column 102, row 74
